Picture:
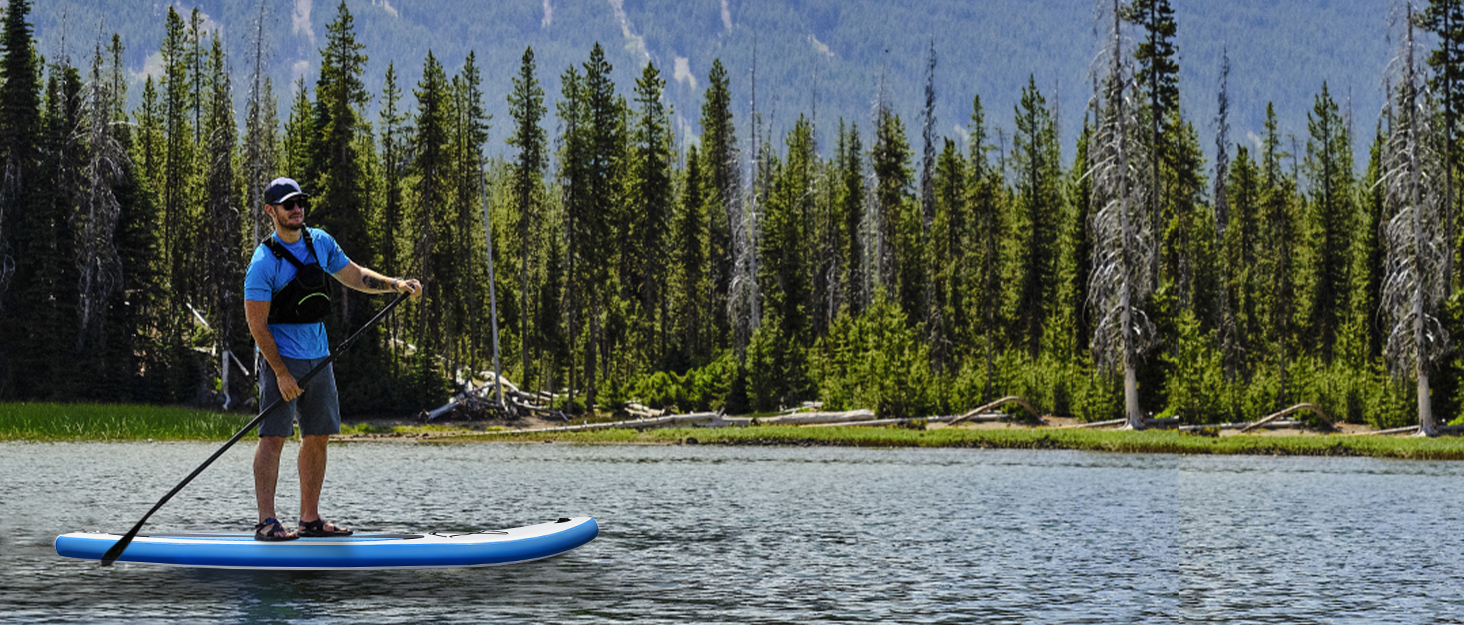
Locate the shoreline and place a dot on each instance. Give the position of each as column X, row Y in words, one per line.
column 1352, row 442
column 123, row 423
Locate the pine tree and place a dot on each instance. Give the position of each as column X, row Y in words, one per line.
column 1370, row 249
column 782, row 248
column 890, row 161
column 776, row 363
column 927, row 184
column 20, row 127
column 852, row 225
column 986, row 193
column 689, row 275
column 44, row 292
column 1077, row 248
column 395, row 142
column 948, row 260
column 299, row 135
column 593, row 149
column 1039, row 202
column 149, row 145
column 179, row 223
column 335, row 177
column 1240, row 249
column 465, row 281
column 1328, row 165
column 720, row 165
column 432, row 252
column 650, row 203
column 573, row 183
column 1158, row 73
column 1445, row 18
column 526, row 106
column 604, row 112
column 222, row 265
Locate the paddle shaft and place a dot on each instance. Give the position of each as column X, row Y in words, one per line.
column 116, row 551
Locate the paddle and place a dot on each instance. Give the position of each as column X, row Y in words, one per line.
column 116, row 551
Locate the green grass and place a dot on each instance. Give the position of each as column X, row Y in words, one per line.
column 115, row 422
column 1153, row 441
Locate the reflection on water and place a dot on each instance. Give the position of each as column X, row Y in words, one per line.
column 699, row 534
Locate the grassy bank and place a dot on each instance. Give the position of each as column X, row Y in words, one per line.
column 111, row 422
column 115, row 422
column 1154, row 441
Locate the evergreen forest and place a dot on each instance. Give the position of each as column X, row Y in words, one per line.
column 615, row 259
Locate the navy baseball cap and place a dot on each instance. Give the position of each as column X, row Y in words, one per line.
column 281, row 189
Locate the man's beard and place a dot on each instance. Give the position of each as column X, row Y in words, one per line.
column 285, row 225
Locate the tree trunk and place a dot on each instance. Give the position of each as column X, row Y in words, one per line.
column 1131, row 398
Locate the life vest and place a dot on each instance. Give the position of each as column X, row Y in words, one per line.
column 306, row 298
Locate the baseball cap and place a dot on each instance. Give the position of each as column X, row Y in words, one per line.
column 281, row 189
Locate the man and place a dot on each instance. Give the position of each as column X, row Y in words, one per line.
column 286, row 299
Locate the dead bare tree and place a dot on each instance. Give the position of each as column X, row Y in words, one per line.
column 259, row 128
column 1229, row 339
column 743, row 297
column 1416, row 271
column 95, row 221
column 1123, row 238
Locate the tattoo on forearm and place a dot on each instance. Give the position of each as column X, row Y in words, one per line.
column 373, row 282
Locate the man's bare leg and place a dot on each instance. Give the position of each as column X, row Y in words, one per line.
column 267, row 474
column 312, row 475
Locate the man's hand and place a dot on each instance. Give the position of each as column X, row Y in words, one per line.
column 369, row 281
column 410, row 287
column 289, row 388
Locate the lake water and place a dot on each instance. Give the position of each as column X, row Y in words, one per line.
column 697, row 534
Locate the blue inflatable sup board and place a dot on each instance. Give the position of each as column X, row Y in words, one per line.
column 361, row 551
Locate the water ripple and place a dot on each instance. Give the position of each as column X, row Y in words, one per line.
column 700, row 534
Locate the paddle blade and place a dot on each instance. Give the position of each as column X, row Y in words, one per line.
column 116, row 550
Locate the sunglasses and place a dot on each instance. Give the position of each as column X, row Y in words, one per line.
column 293, row 204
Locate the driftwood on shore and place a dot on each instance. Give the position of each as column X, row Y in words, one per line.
column 694, row 418
column 482, row 398
column 1297, row 408
column 986, row 408
column 1245, row 426
column 812, row 418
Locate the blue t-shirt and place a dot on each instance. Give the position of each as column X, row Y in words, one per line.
column 268, row 274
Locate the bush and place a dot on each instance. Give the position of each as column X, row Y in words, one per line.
column 876, row 361
column 698, row 390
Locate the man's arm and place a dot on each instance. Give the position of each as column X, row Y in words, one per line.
column 257, row 314
column 369, row 281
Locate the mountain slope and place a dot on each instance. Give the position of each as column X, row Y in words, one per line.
column 829, row 59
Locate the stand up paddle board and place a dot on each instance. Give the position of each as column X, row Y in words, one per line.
column 361, row 551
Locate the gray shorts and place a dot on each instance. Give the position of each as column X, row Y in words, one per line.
column 317, row 409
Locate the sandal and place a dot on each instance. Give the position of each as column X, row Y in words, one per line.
column 272, row 530
column 316, row 529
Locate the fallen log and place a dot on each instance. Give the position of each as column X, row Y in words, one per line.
column 1097, row 424
column 1036, row 416
column 1293, row 409
column 805, row 418
column 899, row 421
column 1273, row 425
column 980, row 418
column 1403, row 430
column 482, row 398
column 643, row 411
column 810, row 418
column 637, row 424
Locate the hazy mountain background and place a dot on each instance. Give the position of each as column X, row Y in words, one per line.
column 828, row 59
